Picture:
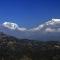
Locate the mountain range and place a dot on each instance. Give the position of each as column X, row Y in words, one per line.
column 49, row 30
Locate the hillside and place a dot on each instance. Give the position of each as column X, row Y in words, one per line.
column 12, row 48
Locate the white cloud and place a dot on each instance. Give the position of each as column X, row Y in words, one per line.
column 56, row 20
column 49, row 26
column 22, row 29
column 50, row 30
column 38, row 32
column 13, row 26
column 37, row 28
column 50, row 22
column 10, row 25
column 45, row 27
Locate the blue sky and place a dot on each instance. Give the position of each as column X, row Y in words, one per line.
column 29, row 13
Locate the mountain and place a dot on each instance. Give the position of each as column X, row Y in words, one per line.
column 44, row 31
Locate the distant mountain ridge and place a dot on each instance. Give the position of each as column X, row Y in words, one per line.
column 43, row 32
column 47, row 25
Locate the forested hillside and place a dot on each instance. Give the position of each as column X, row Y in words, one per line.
column 12, row 48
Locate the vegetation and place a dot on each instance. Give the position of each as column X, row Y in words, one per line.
column 23, row 49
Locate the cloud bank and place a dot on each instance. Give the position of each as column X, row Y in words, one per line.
column 12, row 26
column 44, row 31
column 49, row 26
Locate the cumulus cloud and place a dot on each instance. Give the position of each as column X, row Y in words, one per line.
column 50, row 30
column 37, row 28
column 49, row 26
column 12, row 26
column 22, row 29
column 56, row 20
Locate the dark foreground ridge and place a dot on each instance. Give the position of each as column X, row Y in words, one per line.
column 12, row 48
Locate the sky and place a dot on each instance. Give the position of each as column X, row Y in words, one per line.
column 29, row 13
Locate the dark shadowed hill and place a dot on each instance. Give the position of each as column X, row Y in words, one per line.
column 12, row 48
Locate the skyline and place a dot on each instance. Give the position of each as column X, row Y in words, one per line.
column 29, row 13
